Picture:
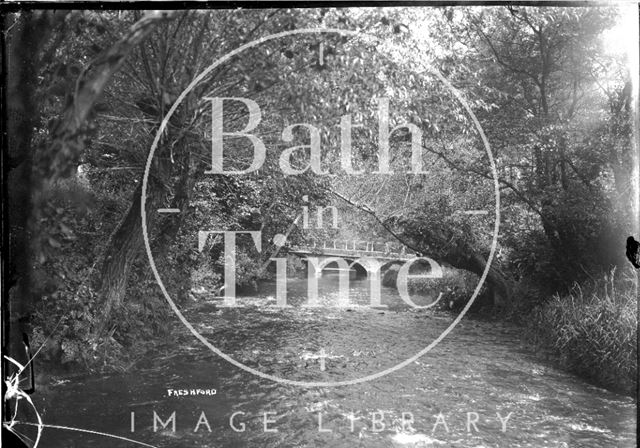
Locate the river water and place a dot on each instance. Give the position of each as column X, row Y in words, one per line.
column 481, row 386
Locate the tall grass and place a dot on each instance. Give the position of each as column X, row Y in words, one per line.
column 593, row 330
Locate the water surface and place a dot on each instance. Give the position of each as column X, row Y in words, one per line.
column 458, row 395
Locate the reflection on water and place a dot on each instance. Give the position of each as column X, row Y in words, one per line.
column 480, row 387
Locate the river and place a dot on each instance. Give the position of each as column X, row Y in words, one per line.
column 481, row 386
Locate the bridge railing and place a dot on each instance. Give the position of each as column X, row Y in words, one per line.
column 355, row 246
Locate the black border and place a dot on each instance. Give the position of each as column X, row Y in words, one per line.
column 265, row 4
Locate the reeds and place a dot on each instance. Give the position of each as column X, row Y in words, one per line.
column 593, row 330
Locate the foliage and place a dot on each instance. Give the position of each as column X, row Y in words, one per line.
column 557, row 132
column 560, row 140
column 593, row 330
column 69, row 309
column 456, row 285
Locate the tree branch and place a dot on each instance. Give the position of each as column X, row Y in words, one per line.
column 67, row 135
column 365, row 208
column 504, row 182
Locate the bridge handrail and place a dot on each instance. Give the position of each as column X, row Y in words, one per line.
column 351, row 248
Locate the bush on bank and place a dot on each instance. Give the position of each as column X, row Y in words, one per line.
column 593, row 330
column 66, row 308
column 456, row 286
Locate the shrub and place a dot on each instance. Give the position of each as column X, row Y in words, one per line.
column 593, row 330
column 526, row 296
column 456, row 285
column 66, row 309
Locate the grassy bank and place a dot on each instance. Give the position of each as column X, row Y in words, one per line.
column 593, row 331
column 590, row 331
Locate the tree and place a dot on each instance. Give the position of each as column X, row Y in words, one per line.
column 164, row 66
column 544, row 86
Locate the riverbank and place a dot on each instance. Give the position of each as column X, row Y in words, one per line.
column 480, row 370
column 592, row 330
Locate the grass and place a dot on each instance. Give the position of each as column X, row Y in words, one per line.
column 593, row 331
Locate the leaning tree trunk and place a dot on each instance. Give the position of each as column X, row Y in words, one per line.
column 127, row 242
column 460, row 255
column 123, row 248
column 423, row 239
column 169, row 229
column 182, row 196
column 473, row 262
column 68, row 141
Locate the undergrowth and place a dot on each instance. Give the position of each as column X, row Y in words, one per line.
column 593, row 330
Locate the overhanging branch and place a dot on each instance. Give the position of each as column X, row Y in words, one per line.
column 365, row 208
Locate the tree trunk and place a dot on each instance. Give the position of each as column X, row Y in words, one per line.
column 171, row 226
column 181, row 198
column 127, row 242
column 425, row 240
column 461, row 256
column 476, row 263
column 123, row 248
